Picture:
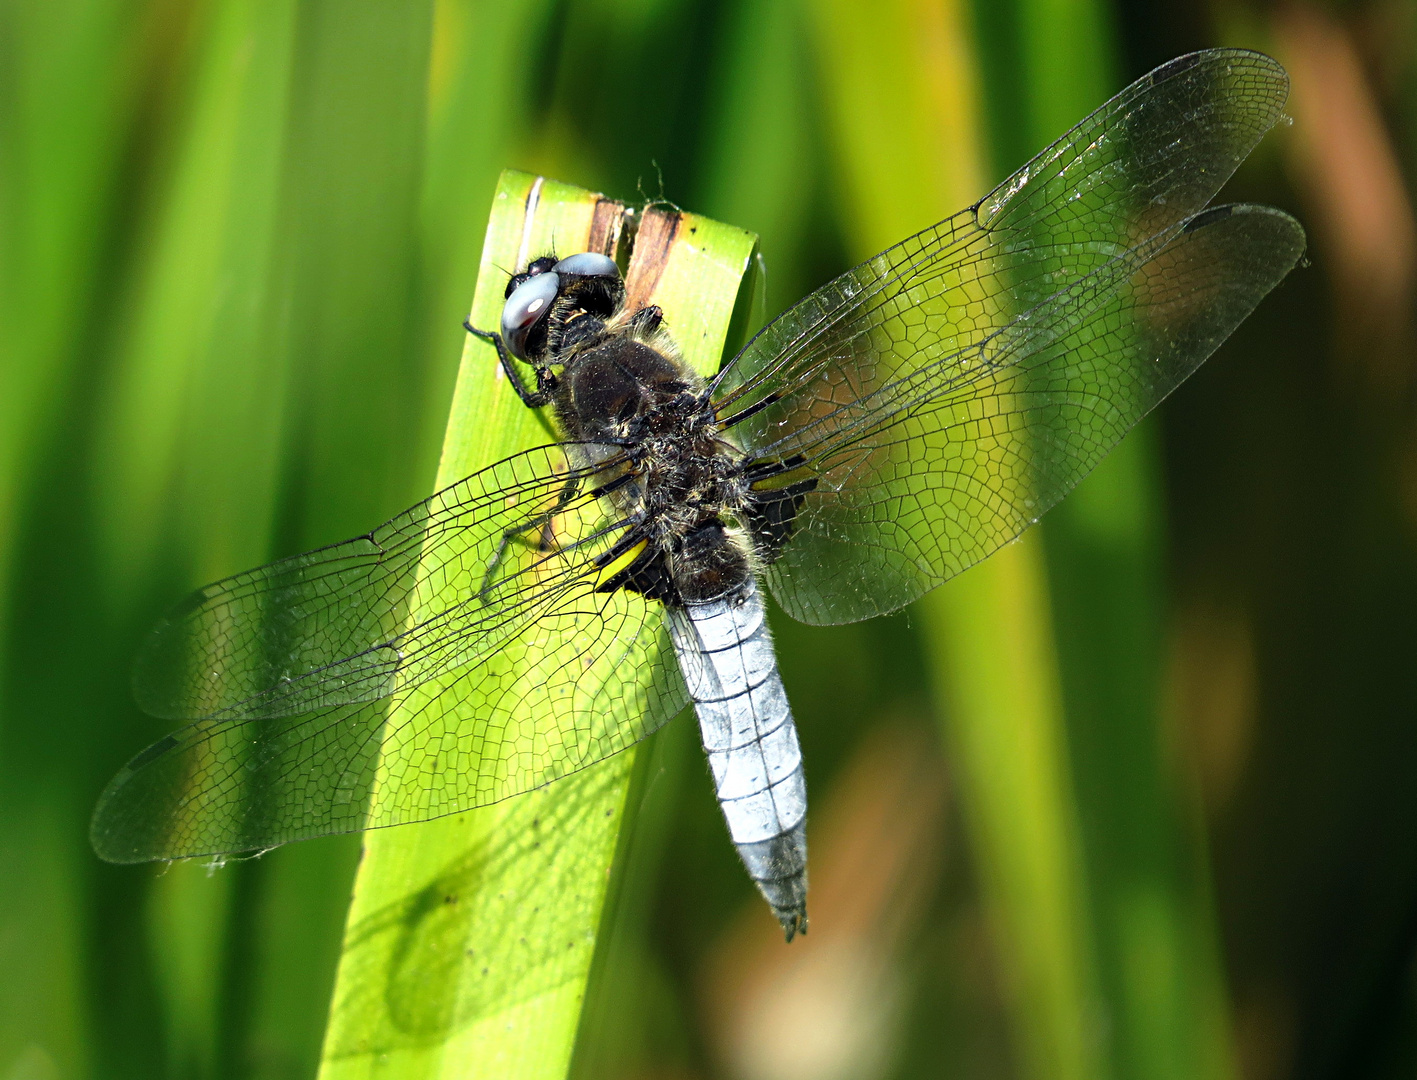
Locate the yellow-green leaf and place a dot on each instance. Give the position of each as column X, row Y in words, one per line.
column 470, row 938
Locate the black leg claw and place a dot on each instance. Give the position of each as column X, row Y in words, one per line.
column 647, row 319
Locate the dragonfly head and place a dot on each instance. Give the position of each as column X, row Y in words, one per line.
column 590, row 280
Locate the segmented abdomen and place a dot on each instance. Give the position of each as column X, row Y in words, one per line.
column 725, row 652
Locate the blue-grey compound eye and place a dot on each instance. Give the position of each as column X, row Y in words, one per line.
column 588, row 264
column 529, row 302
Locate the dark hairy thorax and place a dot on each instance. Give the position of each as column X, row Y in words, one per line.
column 623, row 385
column 699, row 516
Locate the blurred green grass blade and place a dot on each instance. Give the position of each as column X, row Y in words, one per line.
column 265, row 384
column 348, row 258
column 470, row 938
column 908, row 131
column 902, row 116
column 190, row 434
column 482, row 82
column 189, row 918
column 66, row 107
column 289, row 939
column 993, row 655
column 190, row 449
column 1150, row 912
column 759, row 170
column 63, row 115
column 346, row 276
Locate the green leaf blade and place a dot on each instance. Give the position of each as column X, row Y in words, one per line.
column 471, row 937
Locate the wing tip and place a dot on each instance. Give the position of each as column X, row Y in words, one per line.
column 1282, row 221
column 1228, row 56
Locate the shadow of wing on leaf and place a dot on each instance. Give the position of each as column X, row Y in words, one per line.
column 400, row 991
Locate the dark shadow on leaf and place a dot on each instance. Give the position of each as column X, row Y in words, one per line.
column 407, row 978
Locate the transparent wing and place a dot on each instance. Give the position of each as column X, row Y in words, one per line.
column 522, row 673
column 442, row 584
column 928, row 473
column 1148, row 159
column 944, row 394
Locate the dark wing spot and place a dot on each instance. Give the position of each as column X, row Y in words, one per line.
column 152, row 753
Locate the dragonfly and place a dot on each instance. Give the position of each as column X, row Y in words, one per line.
column 884, row 434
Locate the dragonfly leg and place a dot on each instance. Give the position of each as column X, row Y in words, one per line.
column 545, row 380
column 538, row 522
column 646, row 320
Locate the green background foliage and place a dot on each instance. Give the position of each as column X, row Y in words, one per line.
column 1131, row 800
